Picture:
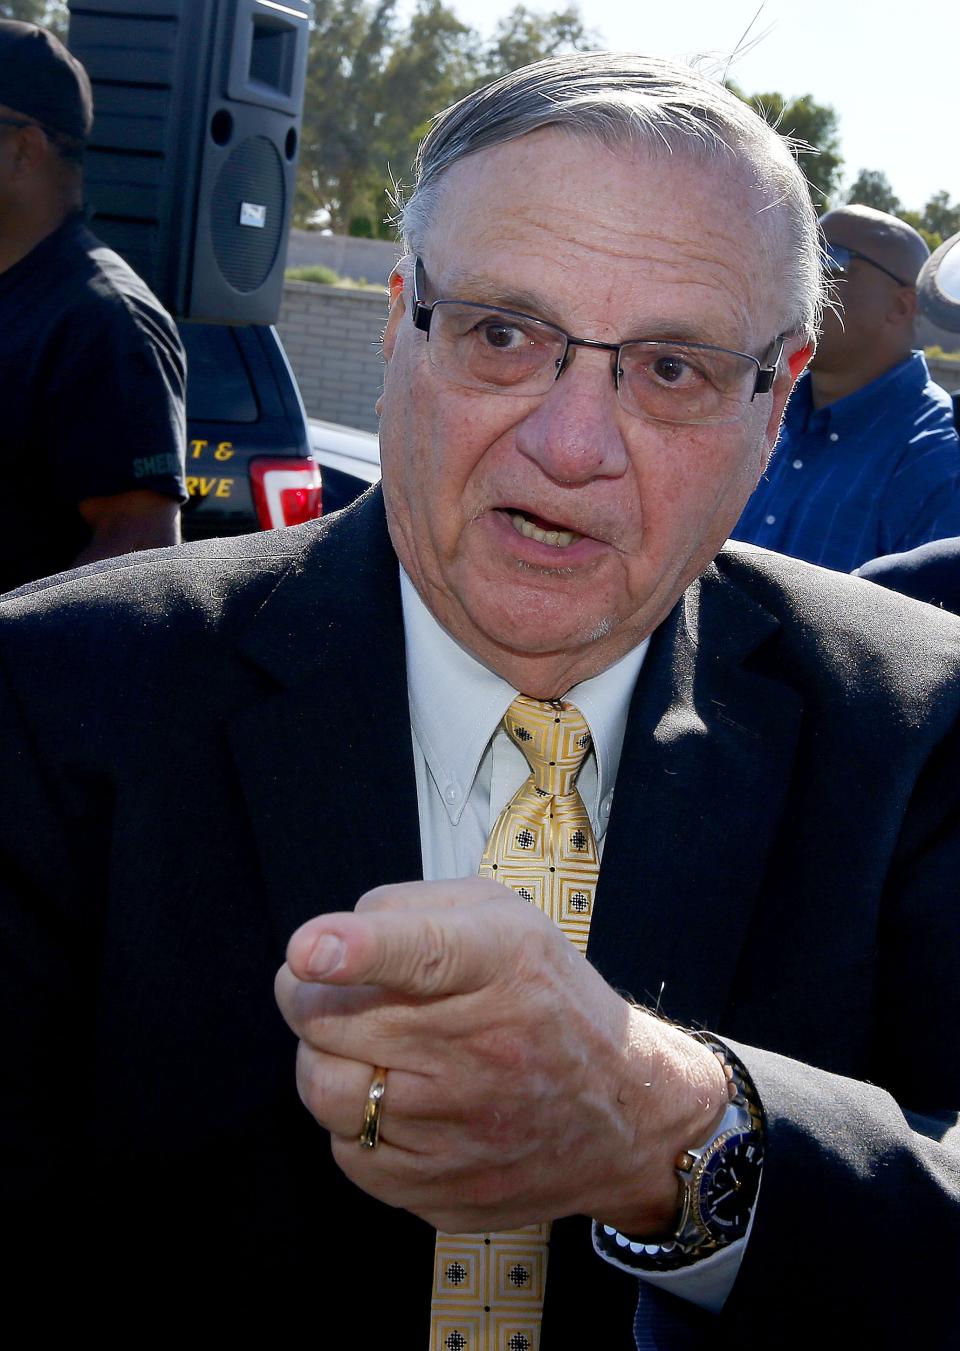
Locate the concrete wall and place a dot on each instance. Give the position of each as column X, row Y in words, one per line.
column 946, row 373
column 367, row 260
column 332, row 336
column 928, row 335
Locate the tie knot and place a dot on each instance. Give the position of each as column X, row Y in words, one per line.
column 554, row 738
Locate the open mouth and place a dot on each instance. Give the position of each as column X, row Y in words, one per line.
column 546, row 532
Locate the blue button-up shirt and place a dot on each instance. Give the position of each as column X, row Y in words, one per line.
column 874, row 473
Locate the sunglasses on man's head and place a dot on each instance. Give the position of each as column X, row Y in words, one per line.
column 837, row 260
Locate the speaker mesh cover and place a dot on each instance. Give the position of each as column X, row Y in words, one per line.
column 253, row 174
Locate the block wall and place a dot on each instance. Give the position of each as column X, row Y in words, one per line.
column 332, row 338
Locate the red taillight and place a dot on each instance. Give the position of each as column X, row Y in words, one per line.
column 286, row 492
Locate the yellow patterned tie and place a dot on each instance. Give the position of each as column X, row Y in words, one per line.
column 488, row 1288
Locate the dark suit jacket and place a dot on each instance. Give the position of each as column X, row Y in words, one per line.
column 205, row 746
column 930, row 573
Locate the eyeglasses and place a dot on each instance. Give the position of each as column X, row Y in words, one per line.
column 17, row 122
column 504, row 352
column 837, row 259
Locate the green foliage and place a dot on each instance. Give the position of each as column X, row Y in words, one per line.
column 941, row 217
column 525, row 35
column 347, row 46
column 936, row 353
column 50, row 14
column 871, row 187
column 915, row 218
column 432, row 66
column 814, row 126
column 373, row 86
column 938, row 220
column 326, row 276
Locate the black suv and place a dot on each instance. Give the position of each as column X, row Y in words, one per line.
column 249, row 461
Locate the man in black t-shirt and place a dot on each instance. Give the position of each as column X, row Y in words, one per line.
column 92, row 371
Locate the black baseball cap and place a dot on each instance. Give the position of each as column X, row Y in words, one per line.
column 39, row 78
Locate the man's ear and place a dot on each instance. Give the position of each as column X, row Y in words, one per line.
column 796, row 361
column 34, row 150
column 397, row 310
column 905, row 303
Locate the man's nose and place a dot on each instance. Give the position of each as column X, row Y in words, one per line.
column 575, row 431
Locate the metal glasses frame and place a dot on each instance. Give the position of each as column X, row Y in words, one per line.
column 422, row 315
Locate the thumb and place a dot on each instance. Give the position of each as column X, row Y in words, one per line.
column 420, row 952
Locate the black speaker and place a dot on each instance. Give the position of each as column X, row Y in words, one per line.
column 191, row 167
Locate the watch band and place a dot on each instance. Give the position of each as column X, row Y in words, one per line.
column 729, row 1161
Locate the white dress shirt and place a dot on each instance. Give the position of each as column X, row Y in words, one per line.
column 467, row 769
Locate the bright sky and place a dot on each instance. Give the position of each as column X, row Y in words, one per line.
column 891, row 70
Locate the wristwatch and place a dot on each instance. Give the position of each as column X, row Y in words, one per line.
column 718, row 1182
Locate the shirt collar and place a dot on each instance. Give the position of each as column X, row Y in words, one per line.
column 43, row 253
column 889, row 390
column 457, row 703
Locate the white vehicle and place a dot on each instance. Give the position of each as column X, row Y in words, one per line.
column 349, row 461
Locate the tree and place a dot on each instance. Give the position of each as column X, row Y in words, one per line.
column 940, row 216
column 915, row 219
column 815, row 127
column 348, row 42
column 938, row 220
column 50, row 14
column 434, row 65
column 373, row 85
column 524, row 36
column 441, row 60
column 871, row 187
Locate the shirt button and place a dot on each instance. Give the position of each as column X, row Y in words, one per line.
column 452, row 794
column 834, row 436
column 607, row 804
column 798, row 464
column 770, row 520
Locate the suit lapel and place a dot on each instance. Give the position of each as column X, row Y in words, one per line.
column 325, row 763
column 325, row 757
column 700, row 791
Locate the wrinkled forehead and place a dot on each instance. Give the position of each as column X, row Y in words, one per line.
column 635, row 227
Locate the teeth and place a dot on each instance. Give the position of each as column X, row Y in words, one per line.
column 558, row 538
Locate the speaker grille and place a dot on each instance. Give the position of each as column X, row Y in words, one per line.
column 253, row 174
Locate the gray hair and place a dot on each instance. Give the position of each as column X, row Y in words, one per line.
column 620, row 98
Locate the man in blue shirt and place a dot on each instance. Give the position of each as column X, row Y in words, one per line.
column 868, row 461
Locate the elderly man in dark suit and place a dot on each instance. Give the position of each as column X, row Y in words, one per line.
column 726, row 778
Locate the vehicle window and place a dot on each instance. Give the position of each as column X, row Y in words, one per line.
column 218, row 382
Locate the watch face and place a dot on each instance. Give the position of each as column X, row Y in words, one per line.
column 726, row 1186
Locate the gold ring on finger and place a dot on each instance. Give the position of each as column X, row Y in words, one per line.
column 370, row 1129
